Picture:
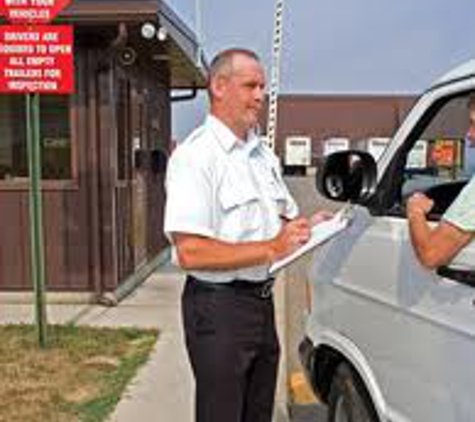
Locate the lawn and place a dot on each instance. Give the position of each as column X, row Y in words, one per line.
column 79, row 377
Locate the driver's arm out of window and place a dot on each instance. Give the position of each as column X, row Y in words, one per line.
column 438, row 246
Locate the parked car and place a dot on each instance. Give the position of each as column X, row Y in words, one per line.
column 386, row 339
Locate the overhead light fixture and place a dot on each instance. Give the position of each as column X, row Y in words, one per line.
column 148, row 30
column 162, row 34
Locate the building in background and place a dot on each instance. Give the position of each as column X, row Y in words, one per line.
column 335, row 122
column 104, row 151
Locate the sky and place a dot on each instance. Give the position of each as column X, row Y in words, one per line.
column 337, row 46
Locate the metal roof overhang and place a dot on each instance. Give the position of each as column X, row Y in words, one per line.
column 181, row 47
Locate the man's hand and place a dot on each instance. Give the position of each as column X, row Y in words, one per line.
column 418, row 204
column 292, row 235
column 434, row 246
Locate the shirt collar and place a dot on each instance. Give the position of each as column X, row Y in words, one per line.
column 228, row 140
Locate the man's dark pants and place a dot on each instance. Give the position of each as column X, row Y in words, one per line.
column 234, row 352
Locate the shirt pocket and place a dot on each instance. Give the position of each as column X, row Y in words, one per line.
column 240, row 209
column 278, row 195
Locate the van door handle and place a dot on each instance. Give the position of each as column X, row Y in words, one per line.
column 463, row 276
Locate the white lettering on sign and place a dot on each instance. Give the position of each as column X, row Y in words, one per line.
column 52, row 73
column 16, row 61
column 59, row 49
column 42, row 3
column 16, row 2
column 41, row 49
column 50, row 37
column 22, row 36
column 40, row 61
column 23, row 73
column 36, row 59
column 30, row 14
column 36, row 3
column 32, row 86
column 16, row 49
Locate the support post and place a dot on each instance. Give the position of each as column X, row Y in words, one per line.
column 36, row 219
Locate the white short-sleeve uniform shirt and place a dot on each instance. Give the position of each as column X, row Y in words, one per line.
column 227, row 189
column 461, row 212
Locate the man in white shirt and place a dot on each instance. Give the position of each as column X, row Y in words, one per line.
column 229, row 216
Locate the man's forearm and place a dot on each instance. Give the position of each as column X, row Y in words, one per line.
column 420, row 235
column 198, row 253
column 204, row 253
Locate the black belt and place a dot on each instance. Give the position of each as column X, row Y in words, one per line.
column 260, row 289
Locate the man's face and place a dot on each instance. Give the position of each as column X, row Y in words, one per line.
column 240, row 95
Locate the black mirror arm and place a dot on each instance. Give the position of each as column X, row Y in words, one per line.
column 466, row 277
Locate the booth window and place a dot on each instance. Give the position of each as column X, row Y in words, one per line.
column 55, row 137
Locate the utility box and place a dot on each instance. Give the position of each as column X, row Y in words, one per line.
column 298, row 154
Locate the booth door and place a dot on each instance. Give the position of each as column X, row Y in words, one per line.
column 131, row 210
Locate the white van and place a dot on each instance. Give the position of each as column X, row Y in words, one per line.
column 386, row 339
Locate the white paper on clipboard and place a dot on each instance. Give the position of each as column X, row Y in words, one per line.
column 320, row 233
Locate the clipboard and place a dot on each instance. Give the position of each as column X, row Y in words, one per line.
column 320, row 233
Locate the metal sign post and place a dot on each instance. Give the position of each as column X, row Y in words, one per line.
column 36, row 217
column 33, row 59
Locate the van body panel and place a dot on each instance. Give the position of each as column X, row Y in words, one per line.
column 410, row 327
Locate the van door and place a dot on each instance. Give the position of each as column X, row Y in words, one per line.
column 414, row 328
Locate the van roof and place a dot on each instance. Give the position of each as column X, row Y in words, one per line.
column 462, row 71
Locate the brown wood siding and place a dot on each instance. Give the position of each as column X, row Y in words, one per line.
column 66, row 245
column 89, row 164
column 125, row 251
column 159, row 137
column 14, row 271
column 65, row 248
column 106, row 149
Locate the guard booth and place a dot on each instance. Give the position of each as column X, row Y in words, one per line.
column 104, row 151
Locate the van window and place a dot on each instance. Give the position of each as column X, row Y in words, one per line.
column 442, row 159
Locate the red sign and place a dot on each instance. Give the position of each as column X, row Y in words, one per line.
column 31, row 11
column 36, row 59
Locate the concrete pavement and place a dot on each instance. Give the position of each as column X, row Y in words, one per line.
column 163, row 389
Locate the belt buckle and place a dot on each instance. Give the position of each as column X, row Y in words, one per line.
column 266, row 290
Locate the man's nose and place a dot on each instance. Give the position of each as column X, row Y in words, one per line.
column 259, row 93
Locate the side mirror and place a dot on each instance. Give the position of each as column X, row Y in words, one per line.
column 347, row 176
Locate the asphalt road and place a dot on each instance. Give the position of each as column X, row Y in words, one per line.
column 303, row 190
column 308, row 413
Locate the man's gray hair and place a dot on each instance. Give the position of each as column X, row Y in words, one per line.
column 222, row 64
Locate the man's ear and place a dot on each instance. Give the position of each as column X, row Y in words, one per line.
column 218, row 86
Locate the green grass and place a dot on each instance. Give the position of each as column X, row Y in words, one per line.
column 80, row 376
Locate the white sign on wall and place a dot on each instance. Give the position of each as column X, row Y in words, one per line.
column 332, row 145
column 298, row 151
column 376, row 146
column 417, row 158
